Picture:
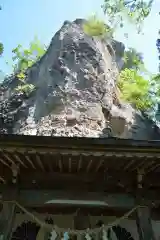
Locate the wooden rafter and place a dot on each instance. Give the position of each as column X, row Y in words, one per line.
column 146, row 166
column 49, row 158
column 19, row 160
column 2, row 180
column 5, row 163
column 153, row 168
column 60, row 164
column 137, row 166
column 70, row 164
column 140, row 164
column 99, row 165
column 130, row 163
column 38, row 159
column 30, row 161
column 8, row 158
column 89, row 165
column 79, row 163
column 120, row 158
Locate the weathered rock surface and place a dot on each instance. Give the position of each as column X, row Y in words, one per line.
column 76, row 93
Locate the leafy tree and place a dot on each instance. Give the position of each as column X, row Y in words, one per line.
column 137, row 85
column 118, row 11
column 133, row 59
column 135, row 89
column 24, row 59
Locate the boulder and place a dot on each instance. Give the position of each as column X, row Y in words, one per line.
column 75, row 93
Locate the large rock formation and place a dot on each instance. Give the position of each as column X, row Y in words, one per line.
column 76, row 92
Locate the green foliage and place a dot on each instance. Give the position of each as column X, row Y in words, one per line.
column 155, row 86
column 25, row 88
column 156, row 78
column 133, row 59
column 24, row 59
column 21, row 76
column 97, row 28
column 141, row 92
column 135, row 89
column 1, row 49
column 134, row 10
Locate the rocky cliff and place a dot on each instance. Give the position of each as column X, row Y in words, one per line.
column 75, row 94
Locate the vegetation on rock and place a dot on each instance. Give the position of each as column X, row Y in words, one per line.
column 97, row 28
column 25, row 88
column 24, row 59
column 136, row 84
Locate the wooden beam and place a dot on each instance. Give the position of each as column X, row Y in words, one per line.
column 122, row 176
column 8, row 158
column 38, row 159
column 70, row 164
column 84, row 176
column 89, row 210
column 19, row 160
column 86, row 210
column 47, row 197
column 60, row 163
column 79, row 163
column 99, row 165
column 89, row 165
column 81, row 181
column 13, row 141
column 30, row 161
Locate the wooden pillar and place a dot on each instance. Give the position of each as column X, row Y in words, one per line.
column 143, row 215
column 144, row 224
column 9, row 195
column 7, row 219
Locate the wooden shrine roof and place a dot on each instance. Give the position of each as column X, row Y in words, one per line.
column 90, row 163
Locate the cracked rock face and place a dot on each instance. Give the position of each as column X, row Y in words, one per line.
column 76, row 93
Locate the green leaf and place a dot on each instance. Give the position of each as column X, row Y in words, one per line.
column 1, row 48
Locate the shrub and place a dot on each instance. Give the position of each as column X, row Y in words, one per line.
column 135, row 89
column 97, row 28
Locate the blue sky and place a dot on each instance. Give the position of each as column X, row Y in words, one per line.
column 22, row 20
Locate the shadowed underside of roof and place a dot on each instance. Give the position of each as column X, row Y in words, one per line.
column 107, row 164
